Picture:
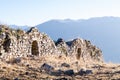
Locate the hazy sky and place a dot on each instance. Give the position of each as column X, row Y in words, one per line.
column 32, row 12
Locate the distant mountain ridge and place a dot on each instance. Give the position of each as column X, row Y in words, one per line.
column 102, row 31
column 25, row 27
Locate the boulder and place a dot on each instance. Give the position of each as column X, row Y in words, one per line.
column 46, row 68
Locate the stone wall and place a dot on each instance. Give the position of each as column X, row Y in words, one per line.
column 18, row 43
column 80, row 49
column 23, row 44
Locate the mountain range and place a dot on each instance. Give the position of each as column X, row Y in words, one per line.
column 25, row 27
column 104, row 32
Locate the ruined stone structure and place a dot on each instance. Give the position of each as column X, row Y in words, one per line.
column 80, row 49
column 18, row 43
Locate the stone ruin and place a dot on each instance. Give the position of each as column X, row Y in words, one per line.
column 18, row 43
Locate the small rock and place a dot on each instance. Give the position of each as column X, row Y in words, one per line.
column 3, row 35
column 16, row 79
column 27, row 65
column 62, row 79
column 65, row 65
column 69, row 72
column 26, row 73
column 47, row 68
column 59, row 41
column 82, row 72
column 85, row 72
column 57, row 73
column 15, row 60
column 89, row 72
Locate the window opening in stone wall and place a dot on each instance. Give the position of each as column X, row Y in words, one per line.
column 6, row 44
column 35, row 49
column 78, row 53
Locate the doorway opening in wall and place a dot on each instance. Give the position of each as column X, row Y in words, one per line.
column 35, row 49
column 78, row 53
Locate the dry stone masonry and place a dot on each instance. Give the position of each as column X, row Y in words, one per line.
column 18, row 43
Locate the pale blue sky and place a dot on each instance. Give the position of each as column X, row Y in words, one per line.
column 32, row 12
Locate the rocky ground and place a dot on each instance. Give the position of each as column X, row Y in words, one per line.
column 56, row 68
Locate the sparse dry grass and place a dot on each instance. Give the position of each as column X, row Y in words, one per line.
column 28, row 69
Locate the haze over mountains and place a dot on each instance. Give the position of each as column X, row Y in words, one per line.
column 19, row 27
column 104, row 32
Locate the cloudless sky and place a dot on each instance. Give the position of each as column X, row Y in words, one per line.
column 33, row 12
